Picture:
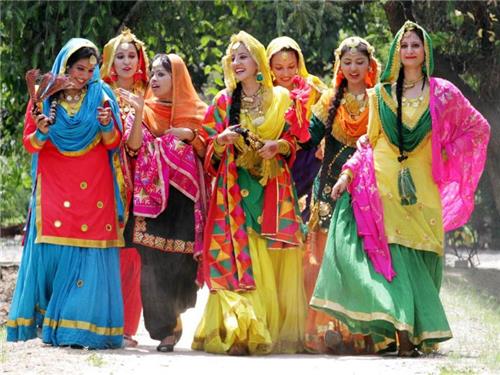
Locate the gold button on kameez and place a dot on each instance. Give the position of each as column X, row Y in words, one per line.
column 67, row 204
column 100, row 204
column 244, row 193
column 109, row 227
column 83, row 185
column 57, row 223
column 84, row 227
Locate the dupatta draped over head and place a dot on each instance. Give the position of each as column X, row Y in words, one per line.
column 227, row 263
column 141, row 77
column 306, row 92
column 75, row 135
column 459, row 139
column 163, row 159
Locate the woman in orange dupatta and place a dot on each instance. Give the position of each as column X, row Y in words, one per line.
column 340, row 117
column 164, row 143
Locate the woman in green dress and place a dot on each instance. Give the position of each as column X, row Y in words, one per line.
column 414, row 179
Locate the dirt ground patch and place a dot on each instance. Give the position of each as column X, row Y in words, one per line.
column 471, row 298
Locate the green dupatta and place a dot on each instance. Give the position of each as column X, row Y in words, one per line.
column 412, row 136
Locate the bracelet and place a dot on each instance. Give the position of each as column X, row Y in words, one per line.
column 41, row 136
column 107, row 128
column 348, row 175
column 283, row 147
column 195, row 135
column 130, row 152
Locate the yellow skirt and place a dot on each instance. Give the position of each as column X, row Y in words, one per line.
column 268, row 319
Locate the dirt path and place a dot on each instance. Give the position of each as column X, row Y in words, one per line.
column 474, row 319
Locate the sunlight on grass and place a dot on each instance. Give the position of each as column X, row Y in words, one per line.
column 3, row 341
column 96, row 360
column 478, row 315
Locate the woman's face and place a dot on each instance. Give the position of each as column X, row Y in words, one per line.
column 81, row 72
column 126, row 60
column 354, row 66
column 285, row 66
column 412, row 52
column 244, row 66
column 161, row 81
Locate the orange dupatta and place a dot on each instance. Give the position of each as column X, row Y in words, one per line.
column 187, row 109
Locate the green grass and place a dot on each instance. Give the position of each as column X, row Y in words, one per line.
column 96, row 360
column 467, row 305
column 3, row 341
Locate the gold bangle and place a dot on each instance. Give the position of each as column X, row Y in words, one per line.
column 283, row 147
column 195, row 135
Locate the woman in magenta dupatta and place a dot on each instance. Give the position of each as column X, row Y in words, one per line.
column 413, row 180
column 165, row 143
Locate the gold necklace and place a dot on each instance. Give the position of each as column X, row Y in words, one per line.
column 251, row 105
column 411, row 84
column 354, row 104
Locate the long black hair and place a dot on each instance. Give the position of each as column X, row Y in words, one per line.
column 399, row 97
column 234, row 110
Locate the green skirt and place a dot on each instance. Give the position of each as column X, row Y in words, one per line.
column 349, row 289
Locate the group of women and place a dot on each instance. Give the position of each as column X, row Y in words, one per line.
column 148, row 195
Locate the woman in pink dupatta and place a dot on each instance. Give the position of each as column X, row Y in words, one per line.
column 413, row 180
column 165, row 143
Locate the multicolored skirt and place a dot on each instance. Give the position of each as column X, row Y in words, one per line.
column 349, row 289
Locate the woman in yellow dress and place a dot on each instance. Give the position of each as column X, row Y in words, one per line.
column 413, row 180
column 252, row 256
column 289, row 70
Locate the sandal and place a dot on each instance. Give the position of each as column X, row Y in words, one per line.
column 167, row 344
column 238, row 350
column 333, row 341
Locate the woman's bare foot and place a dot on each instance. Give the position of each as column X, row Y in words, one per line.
column 129, row 341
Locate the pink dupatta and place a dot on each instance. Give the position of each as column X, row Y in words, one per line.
column 460, row 136
column 163, row 161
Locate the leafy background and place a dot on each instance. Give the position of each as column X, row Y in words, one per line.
column 465, row 35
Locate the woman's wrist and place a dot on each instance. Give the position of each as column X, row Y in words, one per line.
column 107, row 128
column 40, row 136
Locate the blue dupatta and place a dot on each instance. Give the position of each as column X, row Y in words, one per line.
column 75, row 134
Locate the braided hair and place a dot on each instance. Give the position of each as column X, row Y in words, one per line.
column 234, row 110
column 335, row 104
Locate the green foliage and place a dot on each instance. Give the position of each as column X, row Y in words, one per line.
column 15, row 183
column 32, row 32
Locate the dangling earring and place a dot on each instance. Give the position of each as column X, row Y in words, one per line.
column 259, row 77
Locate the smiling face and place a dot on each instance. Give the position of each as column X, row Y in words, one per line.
column 285, row 66
column 411, row 52
column 161, row 81
column 81, row 72
column 126, row 60
column 354, row 66
column 244, row 66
